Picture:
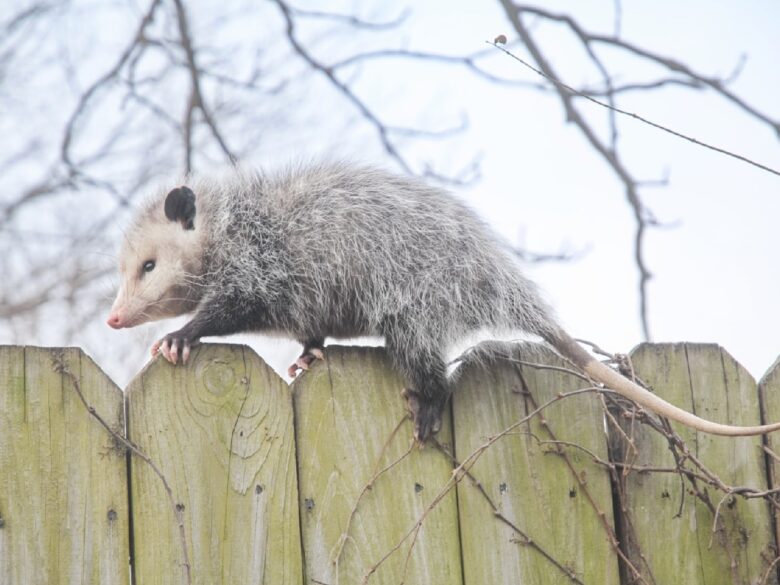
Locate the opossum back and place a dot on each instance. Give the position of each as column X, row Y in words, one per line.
column 405, row 246
column 352, row 214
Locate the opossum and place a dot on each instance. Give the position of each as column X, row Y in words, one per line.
column 341, row 250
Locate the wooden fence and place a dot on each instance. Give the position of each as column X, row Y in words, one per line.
column 221, row 473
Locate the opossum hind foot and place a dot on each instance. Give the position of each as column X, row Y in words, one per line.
column 312, row 350
column 425, row 413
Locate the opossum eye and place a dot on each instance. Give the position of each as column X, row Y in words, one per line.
column 148, row 266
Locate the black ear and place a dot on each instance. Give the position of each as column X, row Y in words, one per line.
column 180, row 206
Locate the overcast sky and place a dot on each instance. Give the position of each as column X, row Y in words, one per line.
column 716, row 274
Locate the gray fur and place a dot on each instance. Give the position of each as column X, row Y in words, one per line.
column 338, row 250
column 360, row 245
column 341, row 250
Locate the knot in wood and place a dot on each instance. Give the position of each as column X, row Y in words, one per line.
column 219, row 377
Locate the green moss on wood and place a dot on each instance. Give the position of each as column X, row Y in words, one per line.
column 63, row 489
column 347, row 410
column 553, row 493
column 220, row 429
column 671, row 534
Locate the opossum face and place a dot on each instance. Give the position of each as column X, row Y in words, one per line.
column 160, row 263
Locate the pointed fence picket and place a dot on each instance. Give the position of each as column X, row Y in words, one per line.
column 219, row 472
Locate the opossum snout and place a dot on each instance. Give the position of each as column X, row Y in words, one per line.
column 130, row 312
column 124, row 314
column 119, row 319
column 115, row 321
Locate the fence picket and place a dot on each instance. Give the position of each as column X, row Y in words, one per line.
column 63, row 480
column 346, row 411
column 669, row 517
column 769, row 393
column 221, row 432
column 554, row 493
column 273, row 484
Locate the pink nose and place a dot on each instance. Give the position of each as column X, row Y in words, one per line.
column 114, row 321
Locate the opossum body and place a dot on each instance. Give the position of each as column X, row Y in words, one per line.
column 335, row 250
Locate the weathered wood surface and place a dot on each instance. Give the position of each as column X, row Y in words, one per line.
column 552, row 492
column 671, row 526
column 769, row 391
column 221, row 432
column 63, row 482
column 347, row 410
column 266, row 478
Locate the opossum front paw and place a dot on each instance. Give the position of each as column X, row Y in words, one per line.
column 425, row 412
column 174, row 345
column 304, row 360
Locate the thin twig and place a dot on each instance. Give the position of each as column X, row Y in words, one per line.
column 546, row 70
column 642, row 119
column 459, row 472
column 339, row 549
column 329, row 73
column 59, row 366
column 196, row 98
column 718, row 85
column 526, row 539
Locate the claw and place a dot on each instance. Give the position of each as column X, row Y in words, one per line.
column 413, row 407
column 176, row 346
column 165, row 350
column 426, row 415
column 317, row 353
column 412, row 404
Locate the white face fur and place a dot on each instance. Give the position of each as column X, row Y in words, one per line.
column 159, row 264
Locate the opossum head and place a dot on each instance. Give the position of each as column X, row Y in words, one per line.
column 160, row 262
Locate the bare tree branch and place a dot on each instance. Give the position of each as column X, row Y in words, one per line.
column 329, row 73
column 111, row 74
column 353, row 20
column 573, row 115
column 196, row 97
column 643, row 217
column 718, row 85
column 470, row 62
column 169, row 98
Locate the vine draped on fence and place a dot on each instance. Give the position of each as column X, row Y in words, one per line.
column 221, row 473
